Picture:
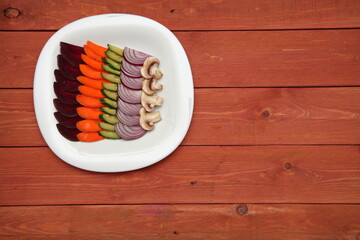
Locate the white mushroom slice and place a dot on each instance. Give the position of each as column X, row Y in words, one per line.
column 147, row 119
column 155, row 72
column 156, row 86
column 147, row 88
column 150, row 68
column 150, row 86
column 149, row 102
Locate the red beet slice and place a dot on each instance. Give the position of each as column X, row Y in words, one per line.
column 66, row 85
column 67, row 70
column 66, row 109
column 68, row 133
column 69, row 122
column 63, row 96
column 71, row 48
column 73, row 58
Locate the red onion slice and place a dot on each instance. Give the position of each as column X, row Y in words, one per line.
column 128, row 108
column 130, row 69
column 135, row 57
column 129, row 132
column 130, row 82
column 128, row 95
column 127, row 119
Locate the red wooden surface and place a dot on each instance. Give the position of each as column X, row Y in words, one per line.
column 192, row 174
column 256, row 58
column 199, row 221
column 272, row 151
column 189, row 15
column 230, row 116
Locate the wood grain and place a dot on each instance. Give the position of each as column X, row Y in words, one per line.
column 207, row 174
column 188, row 15
column 227, row 59
column 200, row 221
column 229, row 117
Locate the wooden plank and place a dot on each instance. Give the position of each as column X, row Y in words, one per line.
column 207, row 174
column 228, row 59
column 229, row 117
column 188, row 15
column 265, row 221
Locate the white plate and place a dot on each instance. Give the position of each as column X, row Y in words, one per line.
column 178, row 92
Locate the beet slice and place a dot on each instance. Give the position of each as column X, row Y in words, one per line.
column 66, row 69
column 68, row 133
column 71, row 48
column 66, row 85
column 63, row 96
column 69, row 122
column 66, row 109
column 72, row 57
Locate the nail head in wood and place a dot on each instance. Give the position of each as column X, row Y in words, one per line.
column 11, row 12
column 287, row 165
column 193, row 182
column 265, row 114
column 242, row 209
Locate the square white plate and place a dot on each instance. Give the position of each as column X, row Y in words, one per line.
column 122, row 30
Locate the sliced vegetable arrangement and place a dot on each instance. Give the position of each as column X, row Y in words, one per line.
column 105, row 93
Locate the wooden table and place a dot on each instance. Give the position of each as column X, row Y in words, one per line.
column 272, row 151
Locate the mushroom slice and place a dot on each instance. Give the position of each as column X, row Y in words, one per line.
column 150, row 86
column 155, row 72
column 147, row 119
column 155, row 85
column 150, row 68
column 146, row 87
column 149, row 102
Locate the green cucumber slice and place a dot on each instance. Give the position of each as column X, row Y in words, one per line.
column 107, row 126
column 110, row 111
column 111, row 77
column 109, row 135
column 113, row 56
column 109, row 94
column 108, row 118
column 109, row 103
column 111, row 70
column 116, row 49
column 110, row 86
column 111, row 63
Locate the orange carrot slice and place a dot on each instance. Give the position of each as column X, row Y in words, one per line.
column 90, row 72
column 91, row 54
column 92, row 63
column 99, row 50
column 89, row 113
column 94, row 83
column 88, row 126
column 87, row 101
column 89, row 137
column 91, row 92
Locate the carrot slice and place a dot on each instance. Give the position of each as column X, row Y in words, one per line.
column 92, row 63
column 89, row 113
column 88, row 126
column 99, row 50
column 91, row 92
column 89, row 137
column 87, row 101
column 94, row 83
column 91, row 54
column 90, row 72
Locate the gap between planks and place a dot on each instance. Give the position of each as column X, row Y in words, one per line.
column 165, row 204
